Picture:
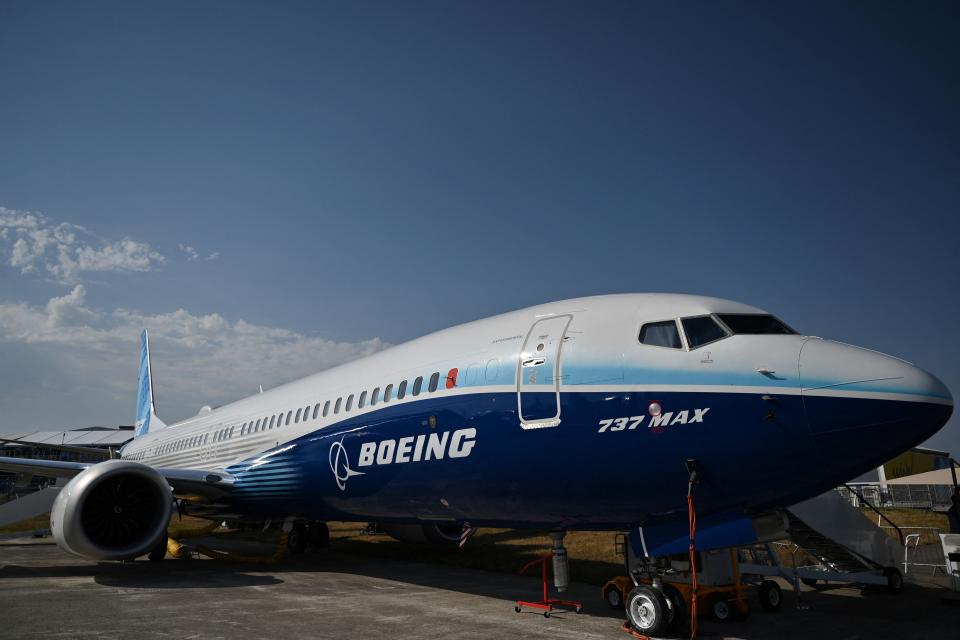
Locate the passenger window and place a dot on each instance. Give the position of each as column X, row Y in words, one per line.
column 297, row 419
column 375, row 396
column 388, row 393
column 416, row 385
column 702, row 330
column 402, row 390
column 349, row 402
column 363, row 400
column 289, row 415
column 434, row 381
column 306, row 413
column 336, row 408
column 326, row 408
column 272, row 418
column 316, row 410
column 661, row 334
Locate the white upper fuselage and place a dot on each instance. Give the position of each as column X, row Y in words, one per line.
column 486, row 352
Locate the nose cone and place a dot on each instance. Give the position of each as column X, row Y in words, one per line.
column 864, row 407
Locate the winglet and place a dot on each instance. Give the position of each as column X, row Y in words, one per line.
column 146, row 418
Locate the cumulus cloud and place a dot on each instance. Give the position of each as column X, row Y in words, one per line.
column 197, row 359
column 33, row 243
column 193, row 255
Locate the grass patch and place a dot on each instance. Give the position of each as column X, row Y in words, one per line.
column 30, row 524
column 592, row 555
column 911, row 518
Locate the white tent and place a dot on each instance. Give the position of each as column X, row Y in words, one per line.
column 940, row 476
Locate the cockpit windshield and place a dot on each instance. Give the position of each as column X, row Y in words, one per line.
column 754, row 324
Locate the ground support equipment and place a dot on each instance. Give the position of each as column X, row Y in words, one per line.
column 548, row 604
column 810, row 575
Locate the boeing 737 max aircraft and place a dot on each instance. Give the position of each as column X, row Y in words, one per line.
column 578, row 414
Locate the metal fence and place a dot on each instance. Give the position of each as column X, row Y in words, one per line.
column 908, row 496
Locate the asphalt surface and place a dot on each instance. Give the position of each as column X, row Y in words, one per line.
column 46, row 593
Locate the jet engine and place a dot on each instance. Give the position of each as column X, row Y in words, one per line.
column 440, row 534
column 114, row 510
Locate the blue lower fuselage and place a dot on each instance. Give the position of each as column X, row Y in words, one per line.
column 754, row 452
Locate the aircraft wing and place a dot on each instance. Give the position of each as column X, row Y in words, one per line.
column 202, row 483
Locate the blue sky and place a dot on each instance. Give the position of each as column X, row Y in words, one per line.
column 352, row 174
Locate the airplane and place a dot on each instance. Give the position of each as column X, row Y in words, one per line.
column 584, row 414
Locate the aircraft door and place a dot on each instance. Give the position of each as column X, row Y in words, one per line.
column 539, row 372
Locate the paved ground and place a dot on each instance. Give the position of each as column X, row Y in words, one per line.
column 45, row 593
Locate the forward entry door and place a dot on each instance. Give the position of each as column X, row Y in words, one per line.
column 538, row 373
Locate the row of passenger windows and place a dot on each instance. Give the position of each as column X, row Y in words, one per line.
column 377, row 396
column 701, row 330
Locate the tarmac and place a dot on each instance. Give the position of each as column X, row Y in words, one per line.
column 47, row 593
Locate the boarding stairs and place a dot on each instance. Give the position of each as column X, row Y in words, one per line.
column 828, row 552
column 845, row 547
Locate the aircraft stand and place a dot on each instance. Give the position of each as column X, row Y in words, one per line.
column 548, row 604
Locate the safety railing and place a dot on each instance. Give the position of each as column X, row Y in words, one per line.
column 921, row 548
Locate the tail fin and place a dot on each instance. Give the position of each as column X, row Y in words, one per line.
column 146, row 409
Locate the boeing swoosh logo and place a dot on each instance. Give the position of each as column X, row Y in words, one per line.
column 340, row 465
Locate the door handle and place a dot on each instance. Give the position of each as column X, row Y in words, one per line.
column 533, row 362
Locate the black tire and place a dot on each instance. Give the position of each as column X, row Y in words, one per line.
column 297, row 538
column 319, row 535
column 810, row 582
column 614, row 597
column 722, row 610
column 771, row 596
column 894, row 580
column 679, row 617
column 647, row 610
column 578, row 610
column 159, row 552
column 516, row 608
column 546, row 614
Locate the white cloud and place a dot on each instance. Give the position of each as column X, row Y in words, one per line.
column 32, row 243
column 193, row 255
column 197, row 359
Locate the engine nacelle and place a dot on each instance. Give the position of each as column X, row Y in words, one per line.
column 114, row 510
column 440, row 534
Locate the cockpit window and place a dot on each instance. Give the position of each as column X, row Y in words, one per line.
column 702, row 330
column 661, row 334
column 754, row 324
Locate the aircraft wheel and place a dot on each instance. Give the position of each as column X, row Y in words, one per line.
column 297, row 538
column 679, row 618
column 647, row 610
column 319, row 535
column 810, row 582
column 516, row 608
column 159, row 552
column 894, row 580
column 771, row 597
